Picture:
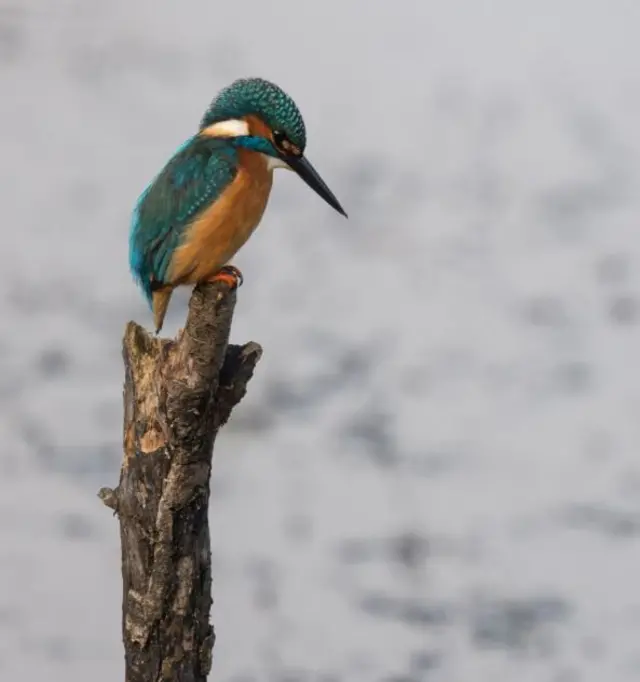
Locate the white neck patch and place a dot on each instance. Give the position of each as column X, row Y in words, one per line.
column 233, row 127
column 236, row 127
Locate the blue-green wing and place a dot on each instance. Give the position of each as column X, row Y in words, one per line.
column 194, row 177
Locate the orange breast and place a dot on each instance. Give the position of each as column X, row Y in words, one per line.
column 224, row 227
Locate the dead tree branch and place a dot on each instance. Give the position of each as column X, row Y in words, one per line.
column 177, row 394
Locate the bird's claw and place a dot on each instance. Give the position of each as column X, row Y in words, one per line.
column 230, row 275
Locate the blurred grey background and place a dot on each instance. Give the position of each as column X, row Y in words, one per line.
column 435, row 475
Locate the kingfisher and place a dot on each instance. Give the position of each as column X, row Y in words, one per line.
column 206, row 202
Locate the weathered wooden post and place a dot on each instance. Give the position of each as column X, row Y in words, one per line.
column 177, row 394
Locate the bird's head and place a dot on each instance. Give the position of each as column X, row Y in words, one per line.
column 260, row 116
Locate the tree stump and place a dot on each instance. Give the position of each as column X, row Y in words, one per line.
column 177, row 394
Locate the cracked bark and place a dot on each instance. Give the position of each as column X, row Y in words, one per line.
column 177, row 394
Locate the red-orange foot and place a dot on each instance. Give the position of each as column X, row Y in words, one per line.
column 230, row 275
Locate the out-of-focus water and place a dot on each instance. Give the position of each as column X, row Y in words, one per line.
column 435, row 475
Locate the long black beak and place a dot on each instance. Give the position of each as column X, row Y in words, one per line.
column 309, row 174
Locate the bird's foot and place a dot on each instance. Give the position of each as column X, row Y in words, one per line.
column 230, row 275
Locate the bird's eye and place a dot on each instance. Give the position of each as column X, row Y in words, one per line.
column 279, row 138
column 284, row 144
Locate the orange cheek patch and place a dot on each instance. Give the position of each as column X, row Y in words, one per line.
column 258, row 127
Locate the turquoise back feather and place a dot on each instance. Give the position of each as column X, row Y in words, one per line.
column 193, row 178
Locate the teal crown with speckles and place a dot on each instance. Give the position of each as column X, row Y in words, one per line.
column 261, row 98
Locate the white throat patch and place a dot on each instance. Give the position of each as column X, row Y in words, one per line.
column 234, row 127
column 275, row 162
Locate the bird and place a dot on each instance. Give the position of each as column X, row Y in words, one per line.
column 208, row 199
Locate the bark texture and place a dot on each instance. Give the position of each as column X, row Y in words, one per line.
column 177, row 394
